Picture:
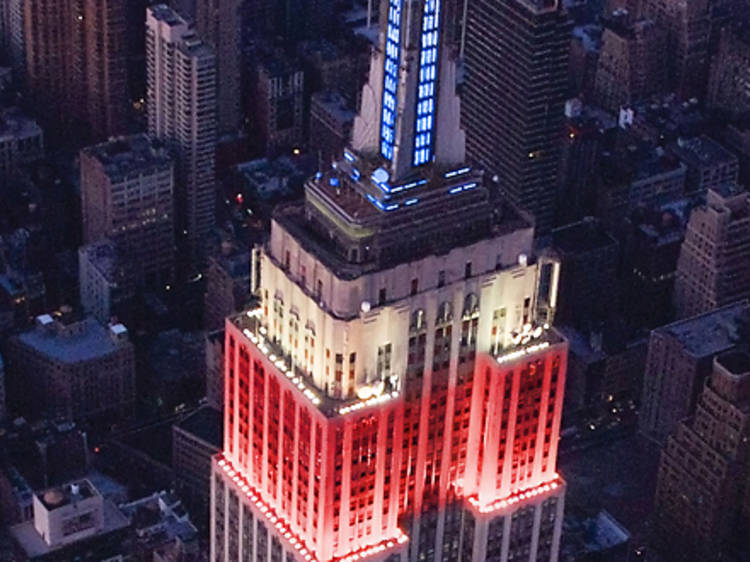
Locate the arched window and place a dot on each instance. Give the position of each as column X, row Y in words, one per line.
column 444, row 313
column 471, row 306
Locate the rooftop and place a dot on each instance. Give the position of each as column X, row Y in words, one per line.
column 60, row 496
column 123, row 156
column 584, row 236
column 104, row 256
column 34, row 545
column 702, row 150
column 334, row 104
column 164, row 13
column 14, row 125
column 206, row 423
column 78, row 341
column 707, row 334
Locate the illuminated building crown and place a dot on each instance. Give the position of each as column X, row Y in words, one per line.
column 410, row 115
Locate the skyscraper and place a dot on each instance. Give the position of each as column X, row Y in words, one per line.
column 76, row 63
column 702, row 506
column 181, row 107
column 397, row 394
column 688, row 26
column 105, row 76
column 714, row 264
column 219, row 24
column 514, row 97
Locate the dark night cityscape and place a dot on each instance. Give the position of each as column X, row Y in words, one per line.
column 375, row 281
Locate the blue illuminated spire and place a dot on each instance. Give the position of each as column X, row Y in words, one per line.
column 424, row 125
column 410, row 114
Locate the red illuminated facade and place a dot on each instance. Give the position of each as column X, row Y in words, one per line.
column 334, row 485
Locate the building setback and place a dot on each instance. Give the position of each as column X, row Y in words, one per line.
column 517, row 63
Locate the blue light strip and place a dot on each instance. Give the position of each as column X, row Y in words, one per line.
column 458, row 172
column 380, row 205
column 390, row 79
column 424, row 126
column 464, row 187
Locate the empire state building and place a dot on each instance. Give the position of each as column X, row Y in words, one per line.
column 397, row 394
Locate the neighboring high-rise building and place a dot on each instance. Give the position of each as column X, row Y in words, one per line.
column 105, row 78
column 714, row 264
column 397, row 395
column 702, row 502
column 219, row 24
column 181, row 107
column 730, row 71
column 517, row 64
column 632, row 63
column 72, row 369
column 588, row 130
column 279, row 104
column 76, row 64
column 588, row 274
column 127, row 195
column 688, row 26
column 679, row 359
column 48, row 54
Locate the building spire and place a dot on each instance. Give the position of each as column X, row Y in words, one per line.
column 410, row 114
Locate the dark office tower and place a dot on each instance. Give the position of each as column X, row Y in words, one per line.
column 76, row 64
column 219, row 25
column 514, row 97
column 105, row 73
column 47, row 50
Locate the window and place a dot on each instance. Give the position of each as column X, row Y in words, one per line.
column 467, row 270
column 381, row 296
column 441, row 278
column 414, row 286
column 384, row 361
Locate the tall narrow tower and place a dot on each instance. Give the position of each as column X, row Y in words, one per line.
column 181, row 104
column 397, row 394
column 514, row 96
